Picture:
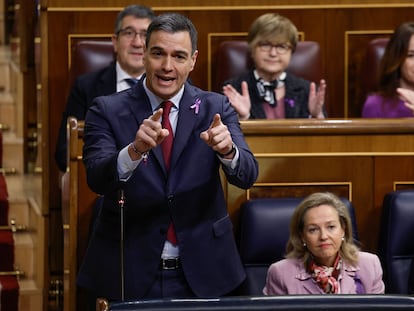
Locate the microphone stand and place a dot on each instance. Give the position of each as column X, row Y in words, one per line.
column 122, row 231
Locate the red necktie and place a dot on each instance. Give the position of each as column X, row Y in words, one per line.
column 166, row 146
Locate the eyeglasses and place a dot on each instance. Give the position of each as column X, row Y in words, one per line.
column 130, row 33
column 281, row 48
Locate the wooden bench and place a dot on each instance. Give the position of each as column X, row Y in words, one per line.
column 77, row 206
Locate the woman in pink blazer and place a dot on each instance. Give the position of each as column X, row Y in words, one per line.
column 321, row 255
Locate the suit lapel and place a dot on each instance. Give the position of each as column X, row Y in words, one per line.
column 186, row 120
column 107, row 81
column 292, row 108
column 348, row 279
column 308, row 283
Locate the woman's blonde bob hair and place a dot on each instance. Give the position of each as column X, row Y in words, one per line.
column 295, row 247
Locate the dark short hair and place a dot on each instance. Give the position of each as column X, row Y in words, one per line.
column 172, row 23
column 136, row 10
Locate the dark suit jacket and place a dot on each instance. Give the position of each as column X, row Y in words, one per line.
column 191, row 194
column 296, row 97
column 85, row 88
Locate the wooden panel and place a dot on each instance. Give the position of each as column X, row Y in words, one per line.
column 341, row 31
column 341, row 27
column 359, row 159
column 221, row 3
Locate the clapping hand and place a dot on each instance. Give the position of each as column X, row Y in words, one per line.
column 317, row 99
column 240, row 102
column 407, row 96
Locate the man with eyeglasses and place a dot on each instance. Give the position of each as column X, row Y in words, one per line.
column 268, row 91
column 129, row 42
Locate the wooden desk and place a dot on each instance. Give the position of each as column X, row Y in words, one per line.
column 361, row 159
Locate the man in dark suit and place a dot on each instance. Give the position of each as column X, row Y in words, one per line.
column 178, row 238
column 129, row 41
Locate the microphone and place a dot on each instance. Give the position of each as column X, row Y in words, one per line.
column 121, row 203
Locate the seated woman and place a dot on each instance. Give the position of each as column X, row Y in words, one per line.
column 268, row 91
column 394, row 97
column 321, row 255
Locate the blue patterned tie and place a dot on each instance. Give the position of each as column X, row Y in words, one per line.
column 131, row 82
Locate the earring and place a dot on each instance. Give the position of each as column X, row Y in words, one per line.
column 304, row 244
column 343, row 238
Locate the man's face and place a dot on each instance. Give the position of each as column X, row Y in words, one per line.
column 168, row 61
column 129, row 44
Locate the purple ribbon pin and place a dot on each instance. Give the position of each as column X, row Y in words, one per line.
column 196, row 105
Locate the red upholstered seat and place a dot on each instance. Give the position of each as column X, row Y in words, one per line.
column 1, row 149
column 90, row 55
column 6, row 251
column 4, row 203
column 9, row 287
column 9, row 293
column 374, row 52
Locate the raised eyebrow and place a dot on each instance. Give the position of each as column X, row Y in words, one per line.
column 312, row 226
column 128, row 28
column 179, row 52
column 156, row 48
column 333, row 222
column 182, row 53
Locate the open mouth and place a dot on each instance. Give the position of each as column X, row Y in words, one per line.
column 165, row 79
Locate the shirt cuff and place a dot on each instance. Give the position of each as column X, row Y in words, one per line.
column 231, row 163
column 125, row 165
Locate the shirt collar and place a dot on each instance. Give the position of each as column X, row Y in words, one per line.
column 121, row 74
column 280, row 80
column 156, row 101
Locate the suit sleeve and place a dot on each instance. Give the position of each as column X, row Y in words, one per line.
column 274, row 281
column 245, row 173
column 378, row 286
column 100, row 149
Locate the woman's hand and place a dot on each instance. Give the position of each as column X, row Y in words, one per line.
column 407, row 96
column 240, row 102
column 317, row 99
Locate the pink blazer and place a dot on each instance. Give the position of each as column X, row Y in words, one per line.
column 288, row 276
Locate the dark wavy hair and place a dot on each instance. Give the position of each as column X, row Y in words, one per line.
column 389, row 72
